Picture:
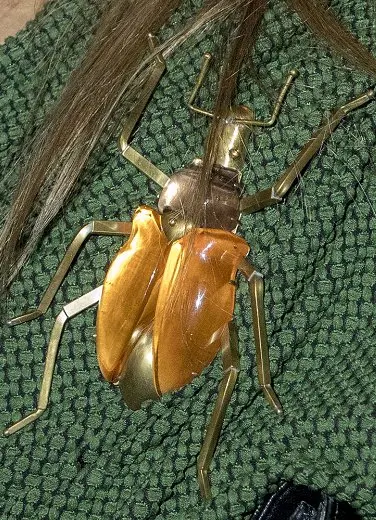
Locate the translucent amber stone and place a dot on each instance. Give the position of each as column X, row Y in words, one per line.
column 195, row 302
column 126, row 290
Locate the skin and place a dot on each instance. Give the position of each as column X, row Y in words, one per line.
column 14, row 14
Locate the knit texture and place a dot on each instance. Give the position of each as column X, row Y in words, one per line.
column 88, row 456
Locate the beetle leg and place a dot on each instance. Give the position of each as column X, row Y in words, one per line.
column 256, row 292
column 127, row 151
column 200, row 78
column 275, row 193
column 71, row 309
column 96, row 227
column 230, row 373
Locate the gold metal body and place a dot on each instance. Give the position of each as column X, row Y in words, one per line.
column 139, row 344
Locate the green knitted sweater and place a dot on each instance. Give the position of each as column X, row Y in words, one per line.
column 88, row 456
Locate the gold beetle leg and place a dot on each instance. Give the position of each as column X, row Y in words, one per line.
column 230, row 368
column 127, row 151
column 69, row 310
column 256, row 292
column 275, row 193
column 97, row 227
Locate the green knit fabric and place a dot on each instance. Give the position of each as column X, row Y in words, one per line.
column 88, row 456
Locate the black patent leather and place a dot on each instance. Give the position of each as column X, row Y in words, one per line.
column 297, row 502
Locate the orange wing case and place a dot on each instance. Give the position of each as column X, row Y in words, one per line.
column 126, row 290
column 195, row 303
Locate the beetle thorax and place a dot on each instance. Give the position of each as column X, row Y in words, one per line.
column 221, row 205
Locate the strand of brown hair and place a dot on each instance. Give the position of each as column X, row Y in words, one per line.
column 241, row 47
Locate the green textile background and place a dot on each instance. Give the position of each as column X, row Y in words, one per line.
column 88, row 456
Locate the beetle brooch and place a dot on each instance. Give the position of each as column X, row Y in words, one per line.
column 166, row 305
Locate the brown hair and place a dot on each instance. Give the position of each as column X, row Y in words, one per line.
column 113, row 70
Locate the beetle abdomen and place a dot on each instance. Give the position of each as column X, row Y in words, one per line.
column 126, row 290
column 195, row 302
